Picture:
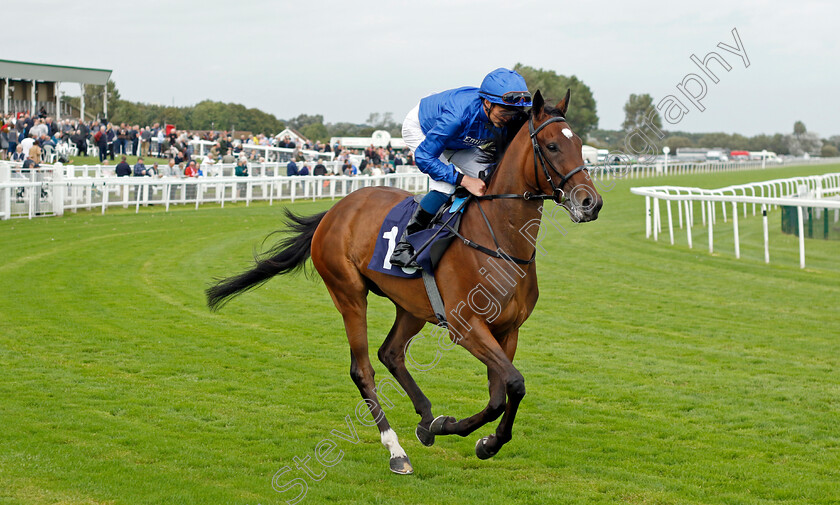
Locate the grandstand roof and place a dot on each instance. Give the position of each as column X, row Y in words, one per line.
column 53, row 73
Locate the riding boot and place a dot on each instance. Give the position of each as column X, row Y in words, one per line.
column 403, row 251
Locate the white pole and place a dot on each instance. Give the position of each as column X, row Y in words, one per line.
column 656, row 218
column 688, row 225
column 711, row 226
column 82, row 104
column 105, row 192
column 6, row 176
column 6, row 97
column 680, row 213
column 647, row 217
column 657, row 215
column 32, row 112
column 59, row 189
column 766, row 238
column 735, row 227
column 105, row 101
column 801, row 237
column 57, row 102
column 670, row 221
column 34, row 196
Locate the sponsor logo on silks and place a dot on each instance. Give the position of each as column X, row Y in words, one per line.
column 475, row 142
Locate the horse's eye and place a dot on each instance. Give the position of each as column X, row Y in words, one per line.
column 552, row 147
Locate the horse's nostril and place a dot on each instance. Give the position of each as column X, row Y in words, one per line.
column 587, row 202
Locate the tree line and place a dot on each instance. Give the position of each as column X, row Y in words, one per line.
column 211, row 115
column 583, row 115
column 640, row 113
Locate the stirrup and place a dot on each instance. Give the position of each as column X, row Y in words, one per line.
column 402, row 254
column 403, row 251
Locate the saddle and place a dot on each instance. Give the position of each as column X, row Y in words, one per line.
column 429, row 244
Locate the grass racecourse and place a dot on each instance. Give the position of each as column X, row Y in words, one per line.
column 656, row 374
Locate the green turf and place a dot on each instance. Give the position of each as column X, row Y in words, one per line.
column 655, row 373
column 131, row 160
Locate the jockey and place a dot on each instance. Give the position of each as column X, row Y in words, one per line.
column 446, row 131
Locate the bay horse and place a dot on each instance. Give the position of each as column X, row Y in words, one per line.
column 341, row 241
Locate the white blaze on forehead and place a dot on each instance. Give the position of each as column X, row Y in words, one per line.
column 568, row 133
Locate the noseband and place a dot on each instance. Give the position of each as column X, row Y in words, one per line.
column 557, row 190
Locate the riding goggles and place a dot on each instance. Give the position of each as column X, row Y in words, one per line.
column 516, row 98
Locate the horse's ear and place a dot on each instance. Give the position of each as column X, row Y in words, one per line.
column 563, row 104
column 537, row 104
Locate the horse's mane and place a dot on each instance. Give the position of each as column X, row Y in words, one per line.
column 502, row 140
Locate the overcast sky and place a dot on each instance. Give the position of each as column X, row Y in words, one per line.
column 347, row 59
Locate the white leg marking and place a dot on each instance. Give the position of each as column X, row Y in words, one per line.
column 389, row 440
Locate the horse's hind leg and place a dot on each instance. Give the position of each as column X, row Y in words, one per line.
column 392, row 355
column 351, row 300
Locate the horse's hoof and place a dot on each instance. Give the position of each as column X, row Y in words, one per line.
column 437, row 425
column 481, row 449
column 401, row 465
column 425, row 436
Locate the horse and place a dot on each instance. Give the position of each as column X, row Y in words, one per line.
column 341, row 240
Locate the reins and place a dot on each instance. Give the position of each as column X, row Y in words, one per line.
column 557, row 194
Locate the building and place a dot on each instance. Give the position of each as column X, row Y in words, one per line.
column 380, row 138
column 295, row 136
column 30, row 86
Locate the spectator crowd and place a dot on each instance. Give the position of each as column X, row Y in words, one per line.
column 32, row 140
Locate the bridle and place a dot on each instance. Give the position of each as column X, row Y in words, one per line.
column 557, row 193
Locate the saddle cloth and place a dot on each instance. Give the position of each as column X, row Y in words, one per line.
column 391, row 232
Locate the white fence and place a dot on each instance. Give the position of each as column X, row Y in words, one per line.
column 659, row 169
column 202, row 147
column 50, row 191
column 819, row 191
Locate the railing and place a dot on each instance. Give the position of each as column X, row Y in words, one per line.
column 53, row 190
column 819, row 191
column 640, row 171
column 216, row 169
column 201, row 148
column 269, row 153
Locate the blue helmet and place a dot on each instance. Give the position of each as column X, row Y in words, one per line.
column 505, row 87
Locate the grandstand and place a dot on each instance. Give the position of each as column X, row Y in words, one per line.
column 31, row 86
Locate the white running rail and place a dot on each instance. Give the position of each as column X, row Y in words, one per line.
column 820, row 191
column 50, row 191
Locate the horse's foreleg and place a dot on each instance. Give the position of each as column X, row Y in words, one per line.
column 488, row 446
column 392, row 355
column 505, row 382
column 448, row 425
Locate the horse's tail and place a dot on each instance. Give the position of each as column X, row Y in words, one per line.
column 287, row 255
